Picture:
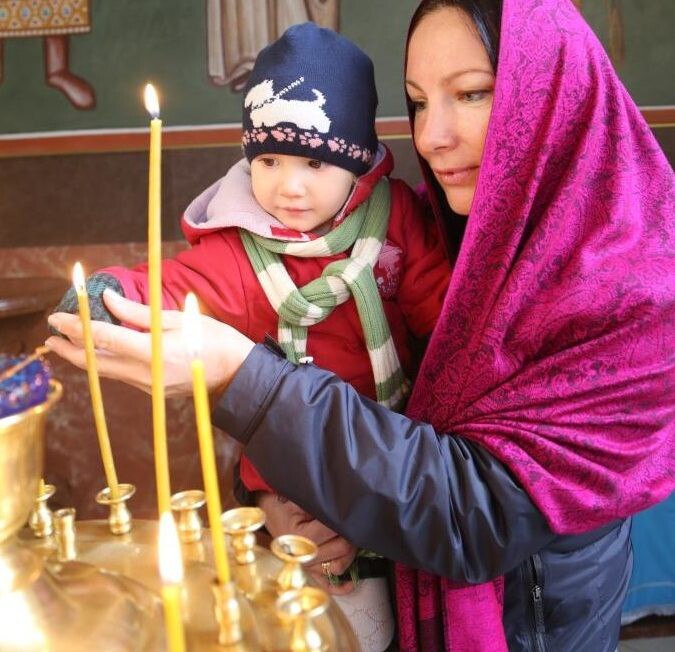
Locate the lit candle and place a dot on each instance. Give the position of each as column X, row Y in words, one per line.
column 94, row 384
column 155, row 285
column 192, row 338
column 171, row 572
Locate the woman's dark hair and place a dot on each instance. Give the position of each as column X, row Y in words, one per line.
column 485, row 14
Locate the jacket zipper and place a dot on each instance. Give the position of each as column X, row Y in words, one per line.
column 534, row 576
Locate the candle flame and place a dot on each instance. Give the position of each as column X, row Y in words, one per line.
column 170, row 560
column 151, row 100
column 192, row 328
column 78, row 277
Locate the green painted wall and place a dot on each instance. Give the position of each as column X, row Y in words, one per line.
column 164, row 41
column 648, row 69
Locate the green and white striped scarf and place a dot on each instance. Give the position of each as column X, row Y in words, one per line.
column 299, row 308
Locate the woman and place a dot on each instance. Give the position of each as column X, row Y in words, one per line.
column 542, row 416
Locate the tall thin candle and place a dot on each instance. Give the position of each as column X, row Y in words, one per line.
column 155, row 285
column 94, row 383
column 192, row 337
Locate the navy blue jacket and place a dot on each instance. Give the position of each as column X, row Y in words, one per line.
column 436, row 502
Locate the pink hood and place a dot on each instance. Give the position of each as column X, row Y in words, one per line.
column 555, row 347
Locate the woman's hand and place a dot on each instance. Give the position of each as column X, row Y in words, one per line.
column 285, row 517
column 125, row 354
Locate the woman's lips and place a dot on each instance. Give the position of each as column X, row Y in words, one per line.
column 456, row 176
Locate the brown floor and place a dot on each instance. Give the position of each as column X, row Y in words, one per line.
column 651, row 634
column 650, row 627
column 648, row 645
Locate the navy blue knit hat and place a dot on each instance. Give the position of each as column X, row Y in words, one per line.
column 312, row 93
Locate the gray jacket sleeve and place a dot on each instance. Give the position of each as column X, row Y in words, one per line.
column 383, row 481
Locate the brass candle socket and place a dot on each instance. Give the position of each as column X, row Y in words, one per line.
column 41, row 520
column 300, row 609
column 241, row 524
column 64, row 527
column 119, row 518
column 294, row 551
column 187, row 504
column 228, row 613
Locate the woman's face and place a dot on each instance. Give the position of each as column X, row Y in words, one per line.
column 450, row 82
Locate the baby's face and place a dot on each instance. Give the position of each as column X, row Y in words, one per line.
column 302, row 193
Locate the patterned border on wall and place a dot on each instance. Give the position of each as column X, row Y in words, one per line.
column 129, row 140
column 21, row 18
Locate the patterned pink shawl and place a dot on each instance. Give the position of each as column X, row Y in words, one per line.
column 555, row 349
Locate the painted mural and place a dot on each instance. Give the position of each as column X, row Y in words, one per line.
column 198, row 54
column 238, row 29
column 54, row 21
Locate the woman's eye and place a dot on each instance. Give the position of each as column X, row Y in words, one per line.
column 313, row 163
column 417, row 105
column 474, row 96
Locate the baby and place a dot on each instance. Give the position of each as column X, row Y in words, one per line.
column 308, row 238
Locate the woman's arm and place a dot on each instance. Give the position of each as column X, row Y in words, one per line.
column 377, row 478
column 381, row 480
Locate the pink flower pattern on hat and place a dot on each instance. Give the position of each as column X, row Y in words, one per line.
column 309, row 139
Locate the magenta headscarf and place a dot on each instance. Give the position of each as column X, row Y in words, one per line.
column 555, row 349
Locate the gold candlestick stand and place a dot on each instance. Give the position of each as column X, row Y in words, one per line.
column 94, row 585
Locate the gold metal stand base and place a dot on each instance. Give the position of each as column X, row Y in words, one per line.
column 135, row 555
column 74, row 606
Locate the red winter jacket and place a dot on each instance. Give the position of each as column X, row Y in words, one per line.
column 412, row 274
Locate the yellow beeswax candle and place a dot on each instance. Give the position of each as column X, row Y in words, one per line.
column 94, row 383
column 192, row 338
column 171, row 572
column 155, row 284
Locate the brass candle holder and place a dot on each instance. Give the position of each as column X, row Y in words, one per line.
column 228, row 613
column 294, row 551
column 41, row 519
column 301, row 610
column 85, row 587
column 119, row 519
column 64, row 525
column 241, row 524
column 47, row 600
column 186, row 504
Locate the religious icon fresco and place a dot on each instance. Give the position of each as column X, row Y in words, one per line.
column 54, row 21
column 238, row 29
column 616, row 39
column 200, row 53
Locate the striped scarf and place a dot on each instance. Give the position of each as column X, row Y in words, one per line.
column 299, row 308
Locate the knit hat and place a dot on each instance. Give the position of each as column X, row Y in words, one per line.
column 312, row 93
